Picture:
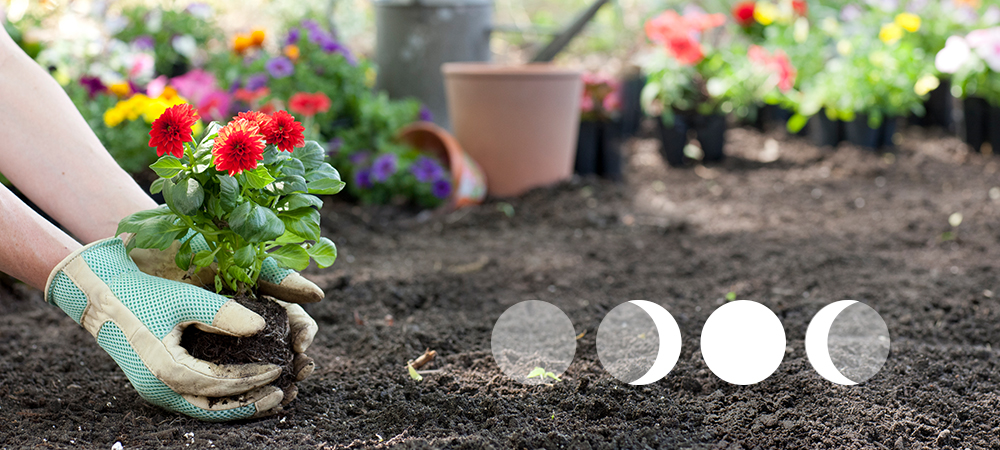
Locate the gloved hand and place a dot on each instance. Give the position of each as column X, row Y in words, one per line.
column 285, row 285
column 138, row 319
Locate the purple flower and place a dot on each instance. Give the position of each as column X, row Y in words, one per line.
column 359, row 158
column 200, row 10
column 144, row 42
column 441, row 188
column 318, row 36
column 256, row 81
column 280, row 67
column 383, row 167
column 334, row 146
column 93, row 84
column 426, row 169
column 850, row 13
column 363, row 178
column 425, row 114
column 310, row 25
column 293, row 36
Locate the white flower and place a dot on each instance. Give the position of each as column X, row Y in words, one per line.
column 185, row 45
column 956, row 52
column 986, row 43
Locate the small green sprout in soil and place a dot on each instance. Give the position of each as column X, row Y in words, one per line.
column 413, row 372
column 541, row 372
column 506, row 208
column 730, row 296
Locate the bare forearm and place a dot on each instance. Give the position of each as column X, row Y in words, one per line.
column 31, row 245
column 52, row 156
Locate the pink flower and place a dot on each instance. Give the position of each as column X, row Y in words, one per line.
column 613, row 101
column 955, row 54
column 782, row 73
column 986, row 44
column 195, row 85
column 156, row 86
column 586, row 102
column 215, row 105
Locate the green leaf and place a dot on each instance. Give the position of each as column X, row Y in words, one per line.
column 272, row 155
column 245, row 256
column 258, row 178
column 296, row 201
column 205, row 258
column 183, row 256
column 293, row 167
column 185, row 197
column 324, row 252
column 413, row 373
column 292, row 256
column 290, row 185
column 796, row 123
column 324, row 180
column 167, row 166
column 311, row 154
column 536, row 372
column 157, row 186
column 303, row 222
column 255, row 223
column 153, row 228
column 240, row 274
column 229, row 192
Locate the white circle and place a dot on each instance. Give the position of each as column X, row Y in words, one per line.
column 670, row 342
column 533, row 334
column 638, row 342
column 847, row 342
column 743, row 342
column 817, row 336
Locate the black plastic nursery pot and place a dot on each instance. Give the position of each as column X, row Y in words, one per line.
column 632, row 113
column 982, row 124
column 939, row 108
column 598, row 149
column 710, row 131
column 825, row 132
column 859, row 133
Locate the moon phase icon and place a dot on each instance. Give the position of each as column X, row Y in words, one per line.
column 847, row 342
column 638, row 342
column 743, row 342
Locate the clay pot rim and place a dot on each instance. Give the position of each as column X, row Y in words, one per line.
column 540, row 70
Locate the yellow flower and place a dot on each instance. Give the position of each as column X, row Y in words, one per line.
column 370, row 77
column 926, row 84
column 197, row 128
column 801, row 32
column 890, row 33
column 292, row 52
column 257, row 37
column 765, row 13
column 909, row 21
column 113, row 116
column 120, row 89
column 241, row 43
column 844, row 47
column 62, row 77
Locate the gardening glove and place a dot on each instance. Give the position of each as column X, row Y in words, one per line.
column 283, row 284
column 139, row 319
column 286, row 286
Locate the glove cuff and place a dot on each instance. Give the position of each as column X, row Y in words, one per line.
column 110, row 245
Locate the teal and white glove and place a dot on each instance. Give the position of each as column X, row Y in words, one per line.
column 139, row 318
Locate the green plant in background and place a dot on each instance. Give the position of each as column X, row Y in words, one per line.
column 247, row 200
column 178, row 38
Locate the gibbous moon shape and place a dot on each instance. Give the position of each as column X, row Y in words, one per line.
column 847, row 342
column 743, row 342
column 638, row 342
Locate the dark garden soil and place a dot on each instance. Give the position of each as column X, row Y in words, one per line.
column 792, row 226
column 270, row 345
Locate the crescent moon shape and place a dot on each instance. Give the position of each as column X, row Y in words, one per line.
column 817, row 337
column 670, row 342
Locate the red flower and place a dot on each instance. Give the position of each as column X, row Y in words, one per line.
column 800, row 7
column 238, row 147
column 257, row 118
column 782, row 73
column 685, row 49
column 743, row 13
column 308, row 104
column 679, row 33
column 283, row 131
column 172, row 129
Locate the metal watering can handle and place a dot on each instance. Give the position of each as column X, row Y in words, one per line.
column 562, row 39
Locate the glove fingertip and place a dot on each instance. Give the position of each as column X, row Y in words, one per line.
column 237, row 320
column 269, row 404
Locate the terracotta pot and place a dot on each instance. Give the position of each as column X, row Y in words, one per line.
column 520, row 123
column 467, row 180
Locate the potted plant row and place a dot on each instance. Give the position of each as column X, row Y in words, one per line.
column 973, row 63
column 597, row 148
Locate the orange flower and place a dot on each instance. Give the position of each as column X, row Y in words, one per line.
column 241, row 43
column 292, row 52
column 257, row 38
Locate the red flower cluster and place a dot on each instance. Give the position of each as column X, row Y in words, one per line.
column 279, row 128
column 680, row 33
column 778, row 64
column 743, row 13
column 800, row 7
column 238, row 147
column 172, row 129
column 308, row 104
